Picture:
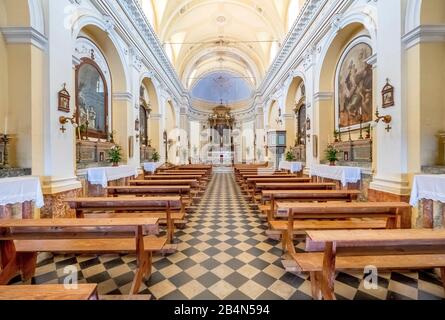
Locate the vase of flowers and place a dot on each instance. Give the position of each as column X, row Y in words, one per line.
column 115, row 155
column 290, row 157
column 331, row 155
column 155, row 157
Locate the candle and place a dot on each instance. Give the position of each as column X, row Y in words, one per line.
column 6, row 125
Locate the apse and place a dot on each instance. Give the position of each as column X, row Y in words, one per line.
column 222, row 86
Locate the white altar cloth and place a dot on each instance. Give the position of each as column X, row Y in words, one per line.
column 428, row 187
column 101, row 176
column 151, row 166
column 344, row 174
column 291, row 166
column 20, row 190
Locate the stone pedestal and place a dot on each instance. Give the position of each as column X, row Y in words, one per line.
column 17, row 211
column 55, row 207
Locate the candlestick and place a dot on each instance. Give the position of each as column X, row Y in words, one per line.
column 6, row 125
column 6, row 140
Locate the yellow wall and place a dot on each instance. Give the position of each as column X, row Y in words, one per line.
column 433, row 12
column 425, row 103
column 20, row 102
column 3, row 82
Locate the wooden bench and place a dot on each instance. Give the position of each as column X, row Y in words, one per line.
column 350, row 250
column 343, row 216
column 250, row 181
column 21, row 240
column 169, row 209
column 305, row 196
column 52, row 292
column 144, row 191
column 258, row 187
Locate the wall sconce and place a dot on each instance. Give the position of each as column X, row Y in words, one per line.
column 385, row 119
column 64, row 120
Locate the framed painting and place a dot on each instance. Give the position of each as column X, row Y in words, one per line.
column 354, row 86
column 64, row 100
column 388, row 95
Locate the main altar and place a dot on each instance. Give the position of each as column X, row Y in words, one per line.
column 222, row 147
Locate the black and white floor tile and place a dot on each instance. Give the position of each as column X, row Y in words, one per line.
column 224, row 253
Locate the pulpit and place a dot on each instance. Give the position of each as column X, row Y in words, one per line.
column 276, row 145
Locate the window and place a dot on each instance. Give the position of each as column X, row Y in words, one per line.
column 92, row 99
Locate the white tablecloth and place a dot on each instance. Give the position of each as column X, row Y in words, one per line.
column 101, row 176
column 428, row 187
column 291, row 166
column 344, row 174
column 151, row 166
column 20, row 190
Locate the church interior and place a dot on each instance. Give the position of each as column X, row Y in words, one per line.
column 222, row 150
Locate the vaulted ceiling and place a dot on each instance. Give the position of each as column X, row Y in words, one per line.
column 237, row 37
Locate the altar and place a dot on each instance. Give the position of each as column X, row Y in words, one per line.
column 100, row 178
column 225, row 158
column 344, row 175
column 25, row 192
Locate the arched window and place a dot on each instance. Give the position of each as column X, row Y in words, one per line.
column 92, row 99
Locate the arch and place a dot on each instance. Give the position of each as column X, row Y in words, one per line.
column 171, row 130
column 147, row 81
column 344, row 30
column 97, row 30
column 292, row 91
column 424, row 12
column 331, row 54
column 412, row 18
column 273, row 115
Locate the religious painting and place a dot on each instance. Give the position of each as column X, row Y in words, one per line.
column 92, row 99
column 64, row 100
column 354, row 87
column 388, row 95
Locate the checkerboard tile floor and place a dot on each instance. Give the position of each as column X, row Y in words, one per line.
column 225, row 254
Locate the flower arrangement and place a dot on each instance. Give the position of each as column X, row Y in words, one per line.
column 331, row 155
column 155, row 157
column 290, row 156
column 115, row 155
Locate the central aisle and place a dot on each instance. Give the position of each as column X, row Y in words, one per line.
column 224, row 254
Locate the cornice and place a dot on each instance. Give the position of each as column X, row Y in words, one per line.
column 424, row 33
column 24, row 35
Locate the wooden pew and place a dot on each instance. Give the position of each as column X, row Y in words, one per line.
column 144, row 191
column 21, row 240
column 196, row 188
column 334, row 216
column 250, row 181
column 51, row 292
column 169, row 209
column 350, row 250
column 258, row 187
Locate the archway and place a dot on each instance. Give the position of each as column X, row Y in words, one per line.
column 21, row 96
column 295, row 122
column 173, row 152
column 97, row 46
column 149, row 135
column 275, row 117
column 344, row 62
column 425, row 103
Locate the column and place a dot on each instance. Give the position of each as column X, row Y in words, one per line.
column 391, row 179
